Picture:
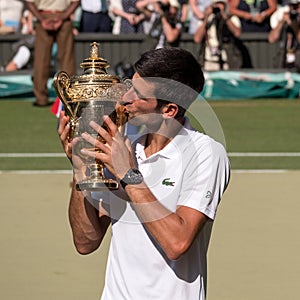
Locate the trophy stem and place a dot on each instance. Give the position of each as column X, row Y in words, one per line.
column 96, row 171
column 97, row 181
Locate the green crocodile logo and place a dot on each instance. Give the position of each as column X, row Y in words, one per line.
column 167, row 182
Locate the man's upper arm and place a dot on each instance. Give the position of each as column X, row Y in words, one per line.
column 193, row 219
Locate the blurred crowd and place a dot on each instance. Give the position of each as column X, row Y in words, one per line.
column 216, row 25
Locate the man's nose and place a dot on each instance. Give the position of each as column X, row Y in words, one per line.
column 128, row 97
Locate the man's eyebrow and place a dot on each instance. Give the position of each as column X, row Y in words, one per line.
column 138, row 93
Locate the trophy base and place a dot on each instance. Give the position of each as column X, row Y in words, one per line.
column 97, row 185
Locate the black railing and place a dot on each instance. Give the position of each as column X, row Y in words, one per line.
column 128, row 47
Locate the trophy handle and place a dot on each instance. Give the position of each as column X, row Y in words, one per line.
column 61, row 83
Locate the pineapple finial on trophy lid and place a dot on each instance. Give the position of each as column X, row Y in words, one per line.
column 94, row 64
column 94, row 51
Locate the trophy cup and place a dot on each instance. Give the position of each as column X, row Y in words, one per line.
column 88, row 97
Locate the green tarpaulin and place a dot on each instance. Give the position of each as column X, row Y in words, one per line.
column 20, row 86
column 251, row 85
column 218, row 86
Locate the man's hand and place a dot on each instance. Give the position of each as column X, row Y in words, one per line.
column 116, row 154
column 287, row 19
column 131, row 19
column 52, row 24
column 68, row 145
column 258, row 18
column 64, row 134
column 57, row 22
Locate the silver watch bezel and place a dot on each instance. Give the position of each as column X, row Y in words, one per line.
column 133, row 176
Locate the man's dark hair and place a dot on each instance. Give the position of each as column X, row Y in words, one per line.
column 172, row 63
column 178, row 65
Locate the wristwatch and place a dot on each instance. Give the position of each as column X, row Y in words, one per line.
column 133, row 176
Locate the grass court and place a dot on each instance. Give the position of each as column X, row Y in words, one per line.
column 254, row 251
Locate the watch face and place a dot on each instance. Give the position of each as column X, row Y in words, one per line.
column 133, row 176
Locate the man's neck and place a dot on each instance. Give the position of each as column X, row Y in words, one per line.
column 156, row 141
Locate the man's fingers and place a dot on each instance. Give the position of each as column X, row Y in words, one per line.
column 63, row 120
column 106, row 135
column 64, row 128
column 62, row 123
column 95, row 142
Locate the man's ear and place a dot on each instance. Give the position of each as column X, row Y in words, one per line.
column 170, row 110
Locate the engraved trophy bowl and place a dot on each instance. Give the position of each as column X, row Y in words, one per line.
column 88, row 97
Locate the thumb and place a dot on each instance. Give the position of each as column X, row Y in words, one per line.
column 128, row 146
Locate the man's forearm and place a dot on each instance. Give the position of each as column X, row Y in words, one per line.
column 236, row 31
column 200, row 32
column 71, row 9
column 34, row 10
column 171, row 230
column 274, row 34
column 87, row 228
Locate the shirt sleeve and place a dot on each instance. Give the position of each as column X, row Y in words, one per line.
column 236, row 21
column 205, row 179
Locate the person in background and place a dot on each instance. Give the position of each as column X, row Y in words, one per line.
column 219, row 35
column 285, row 24
column 184, row 14
column 171, row 177
column 10, row 15
column 198, row 13
column 27, row 22
column 166, row 27
column 22, row 54
column 94, row 16
column 23, row 49
column 127, row 18
column 53, row 25
column 254, row 14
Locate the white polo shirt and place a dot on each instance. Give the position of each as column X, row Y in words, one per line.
column 192, row 170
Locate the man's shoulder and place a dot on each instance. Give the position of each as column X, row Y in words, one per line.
column 204, row 142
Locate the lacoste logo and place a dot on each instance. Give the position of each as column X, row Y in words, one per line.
column 167, row 182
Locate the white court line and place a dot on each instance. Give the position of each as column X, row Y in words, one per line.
column 264, row 154
column 262, row 171
column 36, row 172
column 35, row 155
column 231, row 154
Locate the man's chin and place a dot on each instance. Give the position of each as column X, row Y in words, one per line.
column 135, row 121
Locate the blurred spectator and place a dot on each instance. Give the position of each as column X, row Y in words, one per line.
column 285, row 24
column 127, row 18
column 198, row 8
column 10, row 15
column 22, row 54
column 53, row 25
column 94, row 16
column 167, row 25
column 184, row 14
column 124, row 70
column 219, row 34
column 27, row 23
column 22, row 50
column 254, row 14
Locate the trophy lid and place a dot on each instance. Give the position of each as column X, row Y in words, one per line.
column 95, row 72
column 94, row 64
column 94, row 83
